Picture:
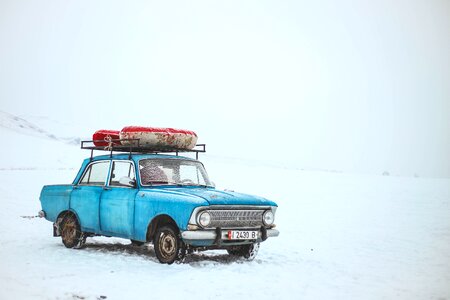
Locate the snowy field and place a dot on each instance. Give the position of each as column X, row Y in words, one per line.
column 343, row 236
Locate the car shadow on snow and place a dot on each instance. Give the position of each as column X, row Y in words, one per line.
column 146, row 251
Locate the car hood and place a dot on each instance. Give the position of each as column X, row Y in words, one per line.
column 217, row 197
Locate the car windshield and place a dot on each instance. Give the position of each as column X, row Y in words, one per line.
column 172, row 172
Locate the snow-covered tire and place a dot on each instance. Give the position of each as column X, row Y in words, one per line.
column 168, row 245
column 71, row 234
column 248, row 252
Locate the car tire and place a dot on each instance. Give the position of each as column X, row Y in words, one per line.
column 248, row 252
column 168, row 245
column 71, row 234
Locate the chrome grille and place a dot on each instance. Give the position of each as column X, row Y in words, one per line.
column 236, row 218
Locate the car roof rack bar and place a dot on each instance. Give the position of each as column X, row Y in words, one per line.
column 134, row 146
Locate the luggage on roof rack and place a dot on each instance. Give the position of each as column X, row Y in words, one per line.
column 102, row 137
column 138, row 139
column 159, row 137
column 148, row 137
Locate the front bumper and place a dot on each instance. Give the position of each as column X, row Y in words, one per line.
column 219, row 237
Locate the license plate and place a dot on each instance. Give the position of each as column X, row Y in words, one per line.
column 242, row 235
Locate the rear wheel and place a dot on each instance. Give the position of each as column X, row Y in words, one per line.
column 71, row 234
column 168, row 245
column 246, row 251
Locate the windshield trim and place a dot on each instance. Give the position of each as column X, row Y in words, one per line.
column 171, row 184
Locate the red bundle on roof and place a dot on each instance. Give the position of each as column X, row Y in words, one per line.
column 104, row 138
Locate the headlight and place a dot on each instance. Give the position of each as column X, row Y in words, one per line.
column 268, row 217
column 204, row 219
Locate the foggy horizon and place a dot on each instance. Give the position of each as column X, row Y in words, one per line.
column 355, row 87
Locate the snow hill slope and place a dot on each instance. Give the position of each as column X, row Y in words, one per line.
column 24, row 127
column 343, row 236
column 27, row 146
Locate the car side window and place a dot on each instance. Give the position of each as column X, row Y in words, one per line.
column 121, row 169
column 96, row 174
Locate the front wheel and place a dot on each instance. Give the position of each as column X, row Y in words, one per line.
column 71, row 234
column 248, row 252
column 168, row 246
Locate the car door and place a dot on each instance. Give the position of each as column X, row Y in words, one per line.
column 117, row 201
column 85, row 197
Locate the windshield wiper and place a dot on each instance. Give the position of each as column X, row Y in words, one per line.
column 201, row 185
column 192, row 184
column 160, row 182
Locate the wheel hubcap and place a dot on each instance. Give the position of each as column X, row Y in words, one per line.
column 167, row 245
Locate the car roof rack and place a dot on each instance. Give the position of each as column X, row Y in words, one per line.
column 134, row 147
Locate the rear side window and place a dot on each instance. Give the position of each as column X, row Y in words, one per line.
column 96, row 174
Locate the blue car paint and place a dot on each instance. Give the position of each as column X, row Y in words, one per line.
column 85, row 201
column 117, row 208
column 127, row 212
column 157, row 201
column 55, row 199
column 215, row 197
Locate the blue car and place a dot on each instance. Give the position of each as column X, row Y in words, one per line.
column 167, row 200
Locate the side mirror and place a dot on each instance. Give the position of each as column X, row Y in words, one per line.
column 127, row 181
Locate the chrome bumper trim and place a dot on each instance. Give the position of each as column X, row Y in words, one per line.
column 272, row 233
column 211, row 235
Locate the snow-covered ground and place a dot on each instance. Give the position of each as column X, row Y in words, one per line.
column 343, row 236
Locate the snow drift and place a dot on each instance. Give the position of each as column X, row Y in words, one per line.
column 343, row 236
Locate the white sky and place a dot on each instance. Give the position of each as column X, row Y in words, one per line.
column 356, row 86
